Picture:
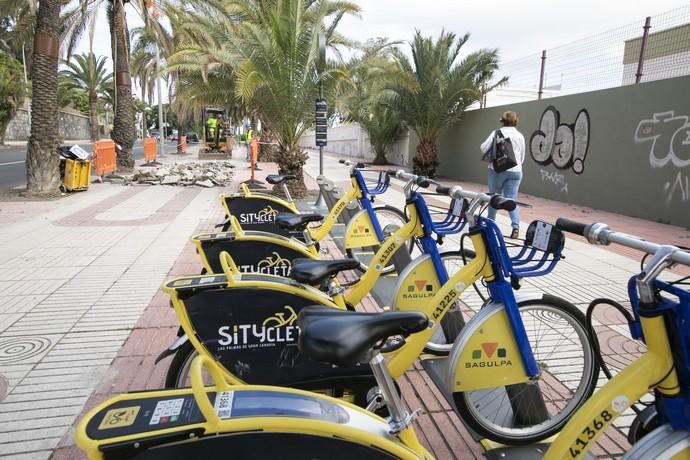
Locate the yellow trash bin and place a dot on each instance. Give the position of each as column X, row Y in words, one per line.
column 77, row 175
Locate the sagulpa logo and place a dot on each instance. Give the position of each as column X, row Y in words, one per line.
column 419, row 289
column 361, row 230
column 489, row 354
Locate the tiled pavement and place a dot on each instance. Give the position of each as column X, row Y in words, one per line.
column 75, row 278
column 81, row 313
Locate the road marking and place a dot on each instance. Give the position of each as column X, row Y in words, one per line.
column 13, row 163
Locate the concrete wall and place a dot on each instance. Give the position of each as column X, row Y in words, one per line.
column 625, row 150
column 352, row 141
column 72, row 125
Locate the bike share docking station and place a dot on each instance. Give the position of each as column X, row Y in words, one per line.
column 525, row 402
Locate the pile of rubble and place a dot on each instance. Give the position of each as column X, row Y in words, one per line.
column 204, row 174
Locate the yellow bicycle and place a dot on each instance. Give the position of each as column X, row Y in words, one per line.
column 503, row 373
column 661, row 314
column 262, row 422
column 261, row 217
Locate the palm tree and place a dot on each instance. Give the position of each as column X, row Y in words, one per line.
column 366, row 100
column 124, row 129
column 272, row 47
column 12, row 91
column 86, row 72
column 42, row 173
column 442, row 88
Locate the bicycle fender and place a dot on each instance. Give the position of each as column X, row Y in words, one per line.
column 485, row 354
column 172, row 349
column 523, row 296
column 359, row 231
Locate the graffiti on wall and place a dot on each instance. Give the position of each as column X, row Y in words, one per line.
column 668, row 136
column 561, row 144
column 555, row 178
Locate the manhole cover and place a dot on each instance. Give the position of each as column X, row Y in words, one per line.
column 4, row 386
column 21, row 348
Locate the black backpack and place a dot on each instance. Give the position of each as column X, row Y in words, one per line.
column 504, row 157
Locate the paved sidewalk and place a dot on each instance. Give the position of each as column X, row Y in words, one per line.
column 76, row 275
column 82, row 316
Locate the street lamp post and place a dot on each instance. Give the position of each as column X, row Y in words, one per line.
column 321, row 116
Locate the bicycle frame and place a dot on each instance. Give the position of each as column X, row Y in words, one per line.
column 654, row 369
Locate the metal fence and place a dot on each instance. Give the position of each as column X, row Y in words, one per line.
column 653, row 48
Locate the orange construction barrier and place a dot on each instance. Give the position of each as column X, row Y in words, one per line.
column 183, row 144
column 150, row 147
column 104, row 157
column 253, row 155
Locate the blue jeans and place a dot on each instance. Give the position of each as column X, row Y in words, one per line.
column 506, row 183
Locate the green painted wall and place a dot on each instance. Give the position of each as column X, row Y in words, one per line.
column 632, row 142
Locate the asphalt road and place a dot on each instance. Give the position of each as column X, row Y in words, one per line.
column 13, row 167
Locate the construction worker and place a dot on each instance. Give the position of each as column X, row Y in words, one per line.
column 250, row 134
column 211, row 128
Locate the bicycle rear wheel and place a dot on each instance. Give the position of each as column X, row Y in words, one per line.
column 568, row 375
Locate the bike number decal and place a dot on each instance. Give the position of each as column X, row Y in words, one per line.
column 223, row 404
column 593, row 429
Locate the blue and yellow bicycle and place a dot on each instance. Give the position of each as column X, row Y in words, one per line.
column 660, row 318
column 503, row 373
column 497, row 368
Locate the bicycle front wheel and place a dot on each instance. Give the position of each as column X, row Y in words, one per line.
column 530, row 412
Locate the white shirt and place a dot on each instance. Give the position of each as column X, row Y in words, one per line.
column 516, row 138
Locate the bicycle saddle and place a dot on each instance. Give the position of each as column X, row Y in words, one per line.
column 278, row 178
column 291, row 221
column 310, row 271
column 343, row 337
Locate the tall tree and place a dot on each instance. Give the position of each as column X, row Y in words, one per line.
column 124, row 129
column 272, row 47
column 88, row 73
column 366, row 99
column 12, row 91
column 443, row 87
column 42, row 174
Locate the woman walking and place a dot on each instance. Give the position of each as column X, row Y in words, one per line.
column 507, row 182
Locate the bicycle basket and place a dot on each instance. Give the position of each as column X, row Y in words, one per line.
column 540, row 252
column 378, row 185
column 452, row 218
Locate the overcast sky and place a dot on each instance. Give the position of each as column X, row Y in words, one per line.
column 516, row 28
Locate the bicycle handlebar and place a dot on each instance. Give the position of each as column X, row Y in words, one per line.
column 598, row 233
column 421, row 181
column 495, row 201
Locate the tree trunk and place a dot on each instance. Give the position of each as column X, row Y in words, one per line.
column 124, row 129
column 291, row 161
column 426, row 159
column 380, row 158
column 3, row 130
column 93, row 116
column 42, row 171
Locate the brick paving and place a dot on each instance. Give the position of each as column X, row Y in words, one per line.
column 79, row 294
